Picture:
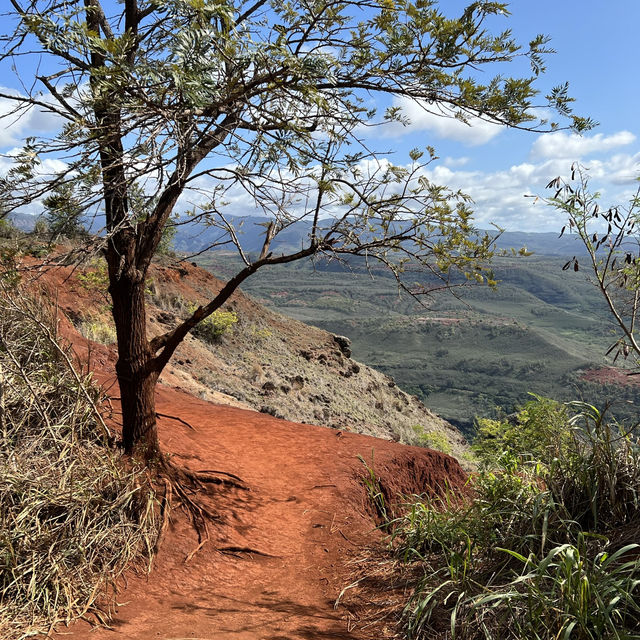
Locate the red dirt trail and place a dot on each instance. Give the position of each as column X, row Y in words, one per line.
column 305, row 516
column 278, row 552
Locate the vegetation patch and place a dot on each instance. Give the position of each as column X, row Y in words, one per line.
column 97, row 330
column 95, row 278
column 432, row 439
column 546, row 545
column 213, row 327
column 72, row 515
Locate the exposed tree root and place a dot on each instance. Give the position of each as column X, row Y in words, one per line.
column 190, row 487
column 236, row 551
column 176, row 418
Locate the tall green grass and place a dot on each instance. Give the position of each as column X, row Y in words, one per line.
column 546, row 546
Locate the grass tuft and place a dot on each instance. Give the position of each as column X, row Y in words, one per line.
column 72, row 514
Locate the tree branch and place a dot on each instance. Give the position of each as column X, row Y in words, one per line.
column 189, row 158
column 169, row 341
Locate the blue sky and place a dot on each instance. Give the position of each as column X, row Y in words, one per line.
column 596, row 45
column 596, row 52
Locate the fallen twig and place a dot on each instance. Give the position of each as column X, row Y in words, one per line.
column 177, row 418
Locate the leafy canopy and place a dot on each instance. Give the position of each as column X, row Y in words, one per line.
column 213, row 103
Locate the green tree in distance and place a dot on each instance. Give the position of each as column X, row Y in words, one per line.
column 193, row 102
column 64, row 212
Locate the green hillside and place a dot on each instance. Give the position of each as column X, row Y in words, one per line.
column 478, row 353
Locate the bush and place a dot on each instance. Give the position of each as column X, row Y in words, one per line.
column 212, row 328
column 7, row 229
column 432, row 439
column 539, row 550
column 537, row 432
column 72, row 515
column 97, row 331
column 95, row 278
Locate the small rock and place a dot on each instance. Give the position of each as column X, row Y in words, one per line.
column 355, row 368
column 269, row 386
column 344, row 344
column 166, row 318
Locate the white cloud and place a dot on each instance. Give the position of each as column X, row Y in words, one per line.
column 574, row 146
column 499, row 196
column 15, row 126
column 455, row 162
column 439, row 121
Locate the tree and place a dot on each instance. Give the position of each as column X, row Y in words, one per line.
column 210, row 100
column 64, row 212
column 609, row 237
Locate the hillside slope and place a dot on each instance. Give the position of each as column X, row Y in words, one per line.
column 540, row 331
column 265, row 361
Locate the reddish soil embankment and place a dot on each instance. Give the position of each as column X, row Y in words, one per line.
column 276, row 561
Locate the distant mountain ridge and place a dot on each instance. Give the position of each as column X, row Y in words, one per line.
column 251, row 230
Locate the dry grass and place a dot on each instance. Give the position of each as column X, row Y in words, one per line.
column 97, row 330
column 72, row 515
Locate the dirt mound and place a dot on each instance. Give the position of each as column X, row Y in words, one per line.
column 406, row 474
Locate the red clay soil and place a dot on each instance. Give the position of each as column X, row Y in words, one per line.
column 278, row 555
column 611, row 375
column 278, row 552
column 277, row 561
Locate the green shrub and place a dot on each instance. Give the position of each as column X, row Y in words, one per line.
column 432, row 439
column 95, row 278
column 7, row 229
column 597, row 477
column 538, row 432
column 212, row 328
column 537, row 551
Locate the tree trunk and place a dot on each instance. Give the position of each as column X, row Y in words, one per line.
column 136, row 371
